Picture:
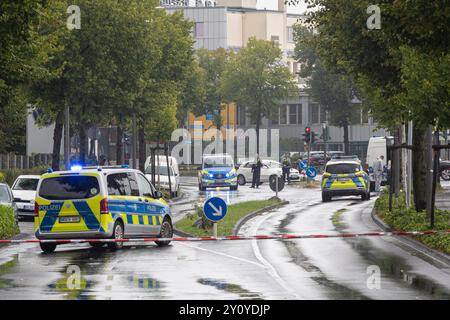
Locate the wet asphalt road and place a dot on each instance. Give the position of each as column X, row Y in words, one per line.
column 265, row 269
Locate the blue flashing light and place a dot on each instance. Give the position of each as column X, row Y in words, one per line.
column 211, row 175
column 125, row 166
column 76, row 168
column 227, row 175
column 49, row 170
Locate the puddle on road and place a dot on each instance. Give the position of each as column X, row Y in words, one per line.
column 231, row 288
column 143, row 282
column 6, row 268
column 398, row 269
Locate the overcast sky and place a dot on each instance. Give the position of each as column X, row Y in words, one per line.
column 273, row 5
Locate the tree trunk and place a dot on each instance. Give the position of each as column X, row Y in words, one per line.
column 346, row 140
column 142, row 153
column 258, row 123
column 397, row 162
column 419, row 164
column 57, row 137
column 83, row 143
column 119, row 145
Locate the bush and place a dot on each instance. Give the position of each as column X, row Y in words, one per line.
column 8, row 224
column 403, row 219
column 10, row 175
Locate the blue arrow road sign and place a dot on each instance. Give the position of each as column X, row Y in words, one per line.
column 311, row 172
column 215, row 209
column 303, row 164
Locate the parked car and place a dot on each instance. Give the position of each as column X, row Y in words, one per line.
column 163, row 180
column 445, row 169
column 269, row 168
column 24, row 191
column 7, row 198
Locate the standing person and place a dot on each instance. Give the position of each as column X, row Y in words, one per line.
column 378, row 169
column 286, row 162
column 256, row 170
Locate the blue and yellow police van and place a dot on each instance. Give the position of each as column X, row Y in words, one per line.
column 344, row 176
column 217, row 170
column 98, row 203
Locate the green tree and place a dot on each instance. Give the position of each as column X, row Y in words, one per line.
column 333, row 91
column 213, row 63
column 256, row 78
column 26, row 46
column 381, row 60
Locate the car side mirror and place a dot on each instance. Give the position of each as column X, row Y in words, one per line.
column 158, row 194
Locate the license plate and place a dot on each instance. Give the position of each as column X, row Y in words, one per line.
column 69, row 219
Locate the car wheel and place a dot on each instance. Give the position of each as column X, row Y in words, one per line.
column 326, row 197
column 241, row 180
column 47, row 247
column 166, row 231
column 117, row 234
column 445, row 174
column 96, row 245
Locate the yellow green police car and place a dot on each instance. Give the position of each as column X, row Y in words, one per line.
column 345, row 177
column 99, row 203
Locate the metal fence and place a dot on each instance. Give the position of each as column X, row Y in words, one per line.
column 14, row 161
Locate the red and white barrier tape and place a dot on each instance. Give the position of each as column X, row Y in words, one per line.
column 224, row 238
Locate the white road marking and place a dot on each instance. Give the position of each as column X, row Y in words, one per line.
column 222, row 254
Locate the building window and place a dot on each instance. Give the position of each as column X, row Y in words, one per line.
column 199, row 31
column 293, row 113
column 275, row 116
column 290, row 32
column 299, row 114
column 275, row 41
column 314, row 113
column 283, row 114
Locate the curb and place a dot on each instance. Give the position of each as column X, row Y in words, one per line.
column 253, row 214
column 417, row 245
column 240, row 222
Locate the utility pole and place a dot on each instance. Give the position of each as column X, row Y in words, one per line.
column 409, row 165
column 67, row 137
column 133, row 152
column 429, row 177
column 325, row 139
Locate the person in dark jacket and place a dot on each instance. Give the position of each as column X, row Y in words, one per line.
column 286, row 162
column 256, row 170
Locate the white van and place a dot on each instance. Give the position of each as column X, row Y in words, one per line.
column 161, row 176
column 377, row 147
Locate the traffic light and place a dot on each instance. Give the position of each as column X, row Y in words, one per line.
column 307, row 135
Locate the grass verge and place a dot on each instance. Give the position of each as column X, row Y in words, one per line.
column 403, row 219
column 8, row 225
column 224, row 227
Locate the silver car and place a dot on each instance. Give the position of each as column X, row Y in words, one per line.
column 7, row 198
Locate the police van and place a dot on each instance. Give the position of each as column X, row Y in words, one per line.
column 99, row 203
column 344, row 176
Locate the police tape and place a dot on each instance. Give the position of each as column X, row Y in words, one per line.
column 228, row 238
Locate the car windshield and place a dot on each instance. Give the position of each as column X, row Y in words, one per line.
column 4, row 194
column 273, row 164
column 217, row 161
column 161, row 170
column 340, row 168
column 69, row 187
column 27, row 184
